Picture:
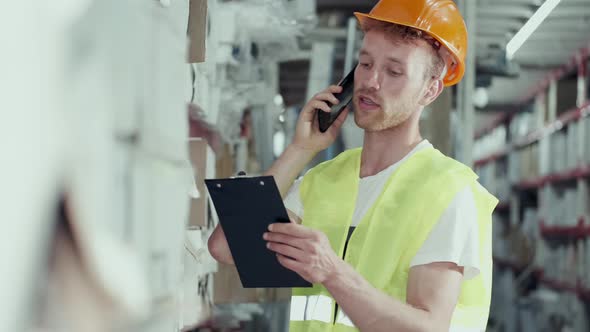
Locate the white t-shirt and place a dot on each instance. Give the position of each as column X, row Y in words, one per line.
column 454, row 238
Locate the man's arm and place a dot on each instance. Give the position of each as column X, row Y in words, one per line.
column 432, row 294
column 432, row 290
column 308, row 141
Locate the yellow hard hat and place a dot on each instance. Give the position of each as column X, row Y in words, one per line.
column 440, row 19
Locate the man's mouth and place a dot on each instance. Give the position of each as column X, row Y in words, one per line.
column 367, row 103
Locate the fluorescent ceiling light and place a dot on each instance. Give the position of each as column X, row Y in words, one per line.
column 529, row 27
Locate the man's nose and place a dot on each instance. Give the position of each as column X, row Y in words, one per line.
column 372, row 80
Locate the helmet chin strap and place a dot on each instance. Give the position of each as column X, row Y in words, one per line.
column 447, row 57
column 443, row 73
column 450, row 63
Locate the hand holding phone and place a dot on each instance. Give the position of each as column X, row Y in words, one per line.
column 326, row 119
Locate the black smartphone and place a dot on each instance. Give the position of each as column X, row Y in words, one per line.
column 326, row 119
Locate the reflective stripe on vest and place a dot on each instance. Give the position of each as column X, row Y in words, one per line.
column 342, row 318
column 316, row 307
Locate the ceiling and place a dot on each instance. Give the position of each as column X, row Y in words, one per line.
column 553, row 43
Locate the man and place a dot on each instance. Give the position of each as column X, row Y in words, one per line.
column 394, row 236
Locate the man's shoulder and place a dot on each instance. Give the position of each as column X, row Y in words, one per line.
column 465, row 179
column 345, row 157
column 433, row 162
column 456, row 166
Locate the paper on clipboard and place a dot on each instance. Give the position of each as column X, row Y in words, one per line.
column 245, row 207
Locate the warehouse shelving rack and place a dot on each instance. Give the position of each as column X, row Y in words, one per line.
column 577, row 289
column 528, row 169
column 581, row 292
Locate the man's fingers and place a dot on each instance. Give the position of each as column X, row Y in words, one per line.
column 319, row 101
column 322, row 105
column 327, row 96
column 285, row 250
column 291, row 264
column 334, row 88
column 283, row 239
column 291, row 229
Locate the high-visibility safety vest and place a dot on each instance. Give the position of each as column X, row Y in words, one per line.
column 391, row 233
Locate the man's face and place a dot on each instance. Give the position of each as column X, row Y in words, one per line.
column 389, row 82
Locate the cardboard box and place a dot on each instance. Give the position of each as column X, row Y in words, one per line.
column 224, row 166
column 197, row 31
column 203, row 160
column 228, row 289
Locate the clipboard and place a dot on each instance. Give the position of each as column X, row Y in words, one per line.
column 245, row 207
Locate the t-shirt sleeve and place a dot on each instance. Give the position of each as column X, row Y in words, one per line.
column 455, row 237
column 293, row 200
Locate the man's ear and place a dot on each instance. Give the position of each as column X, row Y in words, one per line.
column 434, row 90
